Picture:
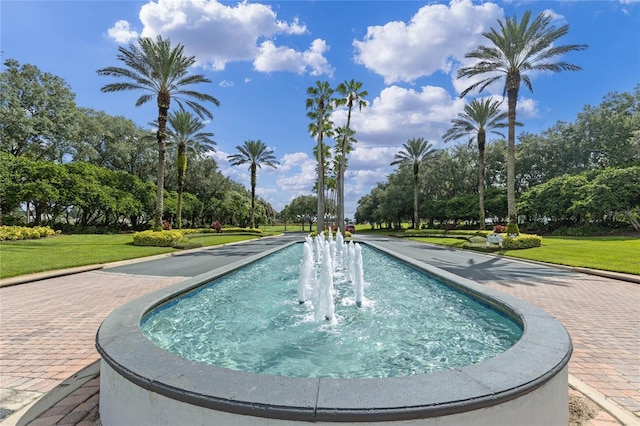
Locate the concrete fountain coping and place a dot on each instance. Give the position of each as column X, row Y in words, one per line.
column 540, row 355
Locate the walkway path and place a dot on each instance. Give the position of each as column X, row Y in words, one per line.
column 47, row 328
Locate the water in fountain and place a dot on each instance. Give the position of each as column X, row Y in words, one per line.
column 334, row 262
column 340, row 246
column 358, row 276
column 323, row 292
column 307, row 273
column 409, row 323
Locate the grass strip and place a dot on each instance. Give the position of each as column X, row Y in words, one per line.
column 616, row 254
column 68, row 251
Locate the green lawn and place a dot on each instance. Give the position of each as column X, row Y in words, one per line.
column 618, row 254
column 66, row 251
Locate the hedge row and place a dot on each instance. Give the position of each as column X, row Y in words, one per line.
column 13, row 233
column 442, row 232
column 522, row 241
column 314, row 234
column 222, row 230
column 157, row 238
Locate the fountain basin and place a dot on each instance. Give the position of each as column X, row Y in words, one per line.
column 143, row 384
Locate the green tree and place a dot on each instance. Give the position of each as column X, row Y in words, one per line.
column 185, row 131
column 255, row 153
column 517, row 49
column 478, row 118
column 113, row 142
column 320, row 105
column 161, row 70
column 351, row 95
column 416, row 151
column 37, row 113
column 616, row 191
column 304, row 208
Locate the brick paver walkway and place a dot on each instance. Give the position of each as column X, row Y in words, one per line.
column 602, row 317
column 48, row 328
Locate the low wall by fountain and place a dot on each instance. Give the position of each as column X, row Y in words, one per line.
column 143, row 384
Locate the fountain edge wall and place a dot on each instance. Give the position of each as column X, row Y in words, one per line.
column 132, row 364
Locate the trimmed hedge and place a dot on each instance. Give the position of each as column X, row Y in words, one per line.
column 223, row 230
column 442, row 233
column 522, row 241
column 512, row 228
column 314, row 234
column 158, row 238
column 13, row 233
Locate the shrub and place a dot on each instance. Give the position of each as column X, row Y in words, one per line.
column 237, row 229
column 158, row 238
column 222, row 230
column 512, row 228
column 13, row 233
column 314, row 234
column 522, row 241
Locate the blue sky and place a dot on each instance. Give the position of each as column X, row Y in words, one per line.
column 262, row 56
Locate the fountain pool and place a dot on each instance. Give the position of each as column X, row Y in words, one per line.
column 409, row 323
column 525, row 376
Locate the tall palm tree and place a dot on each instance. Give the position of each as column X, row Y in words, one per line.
column 478, row 118
column 320, row 105
column 185, row 131
column 256, row 153
column 415, row 152
column 159, row 69
column 352, row 95
column 517, row 49
column 329, row 178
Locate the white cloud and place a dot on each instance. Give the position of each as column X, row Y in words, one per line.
column 435, row 37
column 272, row 58
column 216, row 34
column 526, row 108
column 298, row 173
column 121, row 32
column 398, row 114
column 225, row 83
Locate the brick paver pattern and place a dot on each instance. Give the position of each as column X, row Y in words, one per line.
column 602, row 318
column 48, row 328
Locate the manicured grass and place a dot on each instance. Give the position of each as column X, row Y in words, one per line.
column 217, row 239
column 449, row 242
column 617, row 254
column 67, row 251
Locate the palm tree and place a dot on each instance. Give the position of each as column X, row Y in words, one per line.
column 256, row 153
column 415, row 152
column 320, row 104
column 162, row 71
column 185, row 131
column 351, row 96
column 478, row 118
column 518, row 48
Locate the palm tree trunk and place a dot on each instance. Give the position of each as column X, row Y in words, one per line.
column 513, row 81
column 163, row 109
column 481, row 145
column 182, row 168
column 253, row 194
column 320, row 221
column 415, row 195
column 341, row 171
